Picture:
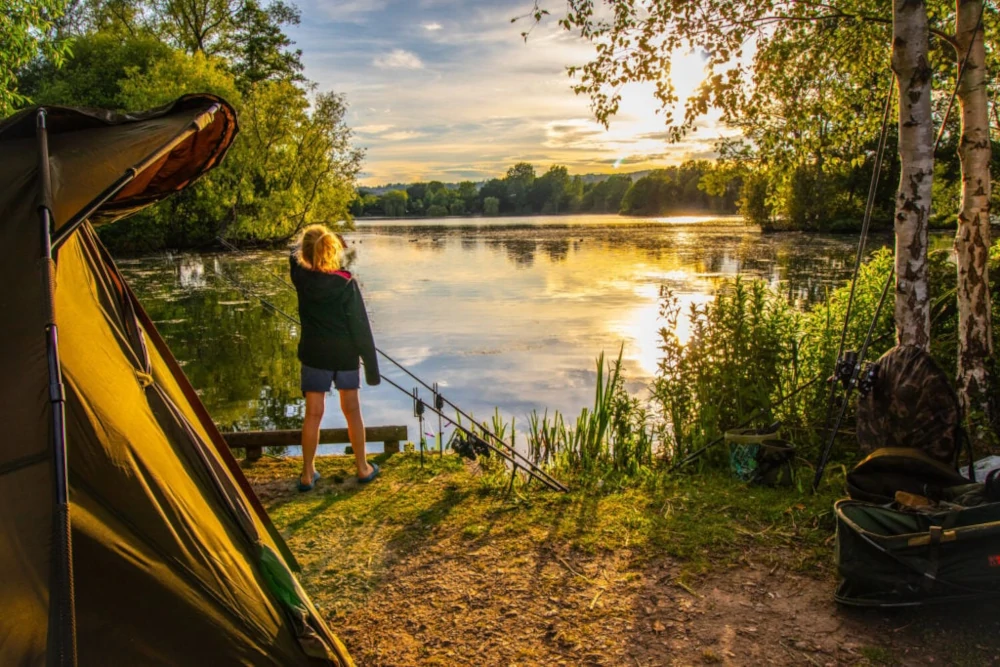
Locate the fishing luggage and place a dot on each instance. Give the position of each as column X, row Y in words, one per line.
column 926, row 535
column 889, row 557
column 914, row 530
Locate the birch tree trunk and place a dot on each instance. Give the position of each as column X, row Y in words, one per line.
column 916, row 152
column 972, row 242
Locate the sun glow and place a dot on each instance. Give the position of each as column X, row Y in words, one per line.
column 640, row 327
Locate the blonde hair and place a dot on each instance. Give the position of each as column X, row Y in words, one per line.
column 319, row 249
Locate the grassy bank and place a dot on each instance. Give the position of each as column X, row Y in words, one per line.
column 430, row 566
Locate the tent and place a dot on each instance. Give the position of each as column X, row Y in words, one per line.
column 170, row 558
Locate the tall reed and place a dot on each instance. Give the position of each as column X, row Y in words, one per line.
column 613, row 436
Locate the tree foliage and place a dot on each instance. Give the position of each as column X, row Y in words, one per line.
column 293, row 162
column 803, row 82
column 27, row 32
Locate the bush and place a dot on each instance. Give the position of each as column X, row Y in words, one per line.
column 742, row 355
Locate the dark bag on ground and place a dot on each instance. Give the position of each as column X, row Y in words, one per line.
column 914, row 530
column 888, row 556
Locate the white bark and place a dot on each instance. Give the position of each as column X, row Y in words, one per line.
column 972, row 242
column 916, row 152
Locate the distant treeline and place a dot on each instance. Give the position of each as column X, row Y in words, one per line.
column 521, row 192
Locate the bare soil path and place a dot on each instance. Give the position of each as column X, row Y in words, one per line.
column 424, row 568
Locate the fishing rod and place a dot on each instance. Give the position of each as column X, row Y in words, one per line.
column 865, row 225
column 848, row 371
column 440, row 401
column 502, row 449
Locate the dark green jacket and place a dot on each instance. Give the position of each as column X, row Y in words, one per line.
column 335, row 329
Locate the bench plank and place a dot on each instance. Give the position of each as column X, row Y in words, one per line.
column 255, row 441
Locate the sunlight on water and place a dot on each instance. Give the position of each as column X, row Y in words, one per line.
column 508, row 312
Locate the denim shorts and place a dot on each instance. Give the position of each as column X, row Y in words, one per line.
column 317, row 379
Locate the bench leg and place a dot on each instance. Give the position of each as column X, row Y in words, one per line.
column 254, row 453
column 391, row 447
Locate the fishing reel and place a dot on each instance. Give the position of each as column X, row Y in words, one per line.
column 849, row 372
column 468, row 445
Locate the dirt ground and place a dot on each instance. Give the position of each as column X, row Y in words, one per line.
column 457, row 592
column 446, row 607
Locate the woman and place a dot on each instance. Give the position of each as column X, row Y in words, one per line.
column 335, row 336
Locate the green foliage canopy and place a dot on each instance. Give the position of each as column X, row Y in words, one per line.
column 27, row 32
column 293, row 163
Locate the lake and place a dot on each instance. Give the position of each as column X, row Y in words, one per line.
column 501, row 312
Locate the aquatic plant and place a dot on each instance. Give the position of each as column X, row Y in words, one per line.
column 614, row 437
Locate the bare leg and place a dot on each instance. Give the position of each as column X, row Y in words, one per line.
column 350, row 403
column 315, row 404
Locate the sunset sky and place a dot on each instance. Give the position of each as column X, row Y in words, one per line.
column 448, row 90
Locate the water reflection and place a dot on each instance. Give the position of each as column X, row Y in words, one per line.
column 510, row 313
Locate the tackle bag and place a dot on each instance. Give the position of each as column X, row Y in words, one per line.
column 891, row 556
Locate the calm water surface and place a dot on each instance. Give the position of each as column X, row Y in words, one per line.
column 507, row 312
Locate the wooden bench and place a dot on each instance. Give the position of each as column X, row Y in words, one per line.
column 254, row 442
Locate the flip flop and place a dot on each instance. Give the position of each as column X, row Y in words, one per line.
column 372, row 475
column 308, row 487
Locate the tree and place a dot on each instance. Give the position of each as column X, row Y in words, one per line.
column 672, row 190
column 93, row 74
column 494, row 188
column 606, row 196
column 491, row 206
column 547, row 191
column 27, row 33
column 469, row 194
column 260, row 48
column 293, row 164
column 519, row 180
column 197, row 25
column 299, row 163
column 394, row 203
column 125, row 19
column 972, row 241
column 910, row 44
column 754, row 200
column 417, row 192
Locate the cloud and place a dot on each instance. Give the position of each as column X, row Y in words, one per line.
column 402, row 136
column 398, row 59
column 574, row 133
column 448, row 89
column 372, row 129
column 348, row 11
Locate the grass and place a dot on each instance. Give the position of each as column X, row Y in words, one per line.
column 436, row 564
column 880, row 656
column 349, row 535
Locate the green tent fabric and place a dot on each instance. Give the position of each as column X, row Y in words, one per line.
column 175, row 561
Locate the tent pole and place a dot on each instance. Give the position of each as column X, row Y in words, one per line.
column 201, row 121
column 62, row 608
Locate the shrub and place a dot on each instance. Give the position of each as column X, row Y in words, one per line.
column 743, row 354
